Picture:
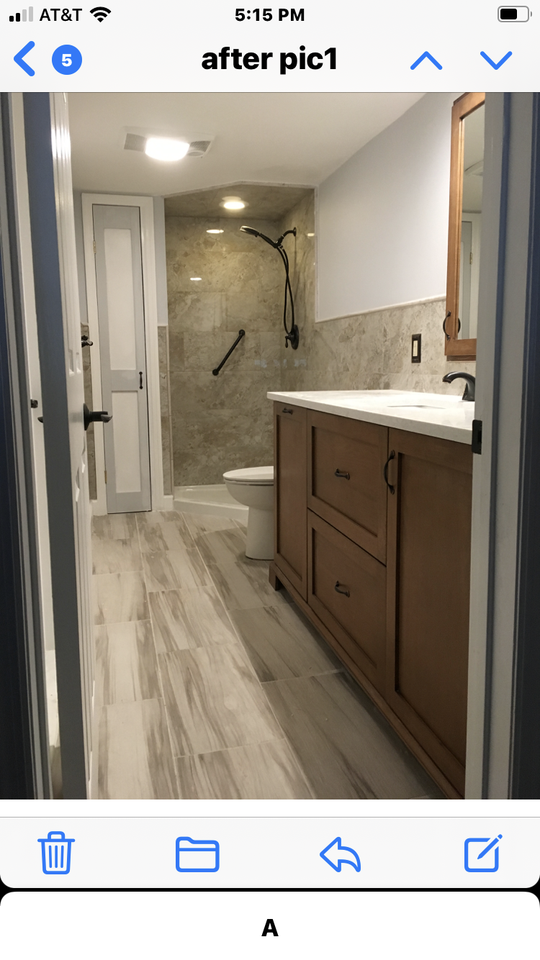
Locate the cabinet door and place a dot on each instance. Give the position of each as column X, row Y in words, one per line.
column 346, row 484
column 347, row 590
column 290, row 492
column 429, row 542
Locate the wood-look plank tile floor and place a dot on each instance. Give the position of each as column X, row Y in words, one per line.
column 210, row 685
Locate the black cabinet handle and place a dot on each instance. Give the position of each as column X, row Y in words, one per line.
column 342, row 474
column 286, row 410
column 140, row 380
column 449, row 314
column 341, row 588
column 391, row 488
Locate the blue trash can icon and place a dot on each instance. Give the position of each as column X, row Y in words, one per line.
column 56, row 852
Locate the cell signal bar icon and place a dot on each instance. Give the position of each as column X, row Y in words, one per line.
column 100, row 13
column 26, row 16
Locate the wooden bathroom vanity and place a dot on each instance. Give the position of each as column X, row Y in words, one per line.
column 372, row 539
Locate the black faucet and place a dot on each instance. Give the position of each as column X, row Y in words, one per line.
column 470, row 383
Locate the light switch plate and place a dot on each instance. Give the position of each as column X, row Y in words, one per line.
column 416, row 348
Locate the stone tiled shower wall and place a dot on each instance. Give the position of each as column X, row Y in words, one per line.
column 165, row 407
column 371, row 351
column 224, row 422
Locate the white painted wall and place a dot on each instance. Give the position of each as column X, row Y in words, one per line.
column 382, row 217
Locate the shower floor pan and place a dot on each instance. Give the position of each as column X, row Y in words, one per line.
column 211, row 498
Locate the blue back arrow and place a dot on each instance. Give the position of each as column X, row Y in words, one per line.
column 429, row 57
column 350, row 856
column 18, row 58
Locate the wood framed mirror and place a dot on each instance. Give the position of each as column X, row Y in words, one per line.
column 466, row 178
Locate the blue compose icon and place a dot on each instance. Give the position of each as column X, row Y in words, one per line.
column 478, row 848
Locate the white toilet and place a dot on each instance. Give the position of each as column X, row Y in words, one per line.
column 254, row 487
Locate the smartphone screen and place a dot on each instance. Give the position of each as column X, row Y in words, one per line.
column 269, row 667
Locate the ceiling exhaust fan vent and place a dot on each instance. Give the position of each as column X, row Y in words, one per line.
column 134, row 141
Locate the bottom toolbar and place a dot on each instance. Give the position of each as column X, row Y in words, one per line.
column 269, row 852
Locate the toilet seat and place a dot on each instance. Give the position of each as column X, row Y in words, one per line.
column 254, row 476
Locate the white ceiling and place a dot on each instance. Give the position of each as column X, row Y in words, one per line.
column 288, row 138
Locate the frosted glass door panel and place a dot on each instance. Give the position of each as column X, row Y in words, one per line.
column 126, row 442
column 117, row 233
column 120, row 305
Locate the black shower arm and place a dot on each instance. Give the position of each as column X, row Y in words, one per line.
column 280, row 239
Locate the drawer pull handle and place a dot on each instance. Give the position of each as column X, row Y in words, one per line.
column 342, row 474
column 391, row 488
column 341, row 588
column 286, row 410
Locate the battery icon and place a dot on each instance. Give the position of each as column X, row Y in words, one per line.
column 514, row 14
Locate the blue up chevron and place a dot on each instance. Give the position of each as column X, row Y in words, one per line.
column 429, row 57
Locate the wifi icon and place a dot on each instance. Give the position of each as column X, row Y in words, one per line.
column 100, row 13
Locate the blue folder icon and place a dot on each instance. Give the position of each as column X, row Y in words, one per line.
column 197, row 856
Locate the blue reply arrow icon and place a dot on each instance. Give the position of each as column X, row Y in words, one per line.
column 335, row 854
column 18, row 58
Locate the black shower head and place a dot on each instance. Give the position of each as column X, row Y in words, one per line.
column 255, row 233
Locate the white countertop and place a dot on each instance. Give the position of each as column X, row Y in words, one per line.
column 433, row 414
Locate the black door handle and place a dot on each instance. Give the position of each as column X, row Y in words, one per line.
column 341, row 588
column 95, row 416
column 342, row 474
column 391, row 488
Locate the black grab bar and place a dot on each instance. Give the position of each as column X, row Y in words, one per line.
column 241, row 333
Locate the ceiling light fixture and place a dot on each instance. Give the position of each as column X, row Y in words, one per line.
column 163, row 148
column 232, row 203
column 195, row 278
column 215, row 231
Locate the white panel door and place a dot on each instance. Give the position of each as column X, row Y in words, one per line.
column 117, row 235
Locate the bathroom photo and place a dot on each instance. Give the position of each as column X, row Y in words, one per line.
column 272, row 303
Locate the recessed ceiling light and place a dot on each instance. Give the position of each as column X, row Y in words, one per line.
column 162, row 148
column 195, row 278
column 310, row 234
column 232, row 203
column 215, row 231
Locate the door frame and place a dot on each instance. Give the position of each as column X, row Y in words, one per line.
column 503, row 759
column 159, row 500
column 24, row 740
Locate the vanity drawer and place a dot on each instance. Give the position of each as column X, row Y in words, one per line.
column 347, row 590
column 346, row 484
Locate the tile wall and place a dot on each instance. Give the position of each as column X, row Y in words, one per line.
column 371, row 351
column 225, row 422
